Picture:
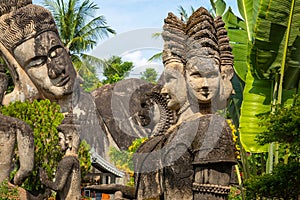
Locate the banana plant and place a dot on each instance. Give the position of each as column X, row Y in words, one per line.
column 266, row 45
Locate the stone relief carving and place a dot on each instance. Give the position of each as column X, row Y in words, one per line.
column 42, row 69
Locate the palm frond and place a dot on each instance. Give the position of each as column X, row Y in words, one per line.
column 157, row 56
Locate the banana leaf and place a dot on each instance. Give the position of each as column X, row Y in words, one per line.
column 269, row 51
column 256, row 101
column 249, row 10
column 270, row 44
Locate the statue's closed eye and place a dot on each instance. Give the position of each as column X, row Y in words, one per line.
column 37, row 61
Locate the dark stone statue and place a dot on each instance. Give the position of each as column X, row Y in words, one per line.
column 193, row 159
column 67, row 176
column 14, row 132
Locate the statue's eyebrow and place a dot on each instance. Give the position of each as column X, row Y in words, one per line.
column 54, row 48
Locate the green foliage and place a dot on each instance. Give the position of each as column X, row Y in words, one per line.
column 235, row 193
column 78, row 25
column 86, row 68
column 124, row 159
column 282, row 126
column 284, row 183
column 43, row 116
column 116, row 70
column 84, row 158
column 149, row 75
column 7, row 192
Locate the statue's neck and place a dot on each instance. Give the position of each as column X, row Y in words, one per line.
column 71, row 152
column 189, row 109
column 70, row 101
column 205, row 108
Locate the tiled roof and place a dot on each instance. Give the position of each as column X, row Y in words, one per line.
column 98, row 161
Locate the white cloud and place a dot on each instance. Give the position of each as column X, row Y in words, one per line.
column 136, row 57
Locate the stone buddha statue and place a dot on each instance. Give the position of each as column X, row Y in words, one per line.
column 42, row 68
column 67, row 176
column 193, row 159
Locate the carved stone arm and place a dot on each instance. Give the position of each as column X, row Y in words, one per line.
column 24, row 137
column 63, row 171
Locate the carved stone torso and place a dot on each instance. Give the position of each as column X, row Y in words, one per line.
column 191, row 145
column 71, row 190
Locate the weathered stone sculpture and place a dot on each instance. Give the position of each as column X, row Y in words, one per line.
column 194, row 157
column 67, row 177
column 42, row 69
column 14, row 131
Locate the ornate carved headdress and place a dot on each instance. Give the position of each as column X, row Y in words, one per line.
column 22, row 21
column 70, row 125
column 200, row 36
column 175, row 41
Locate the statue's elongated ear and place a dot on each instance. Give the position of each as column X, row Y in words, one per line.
column 24, row 88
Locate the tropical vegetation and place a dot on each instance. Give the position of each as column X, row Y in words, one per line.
column 116, row 70
column 265, row 41
column 123, row 159
column 149, row 75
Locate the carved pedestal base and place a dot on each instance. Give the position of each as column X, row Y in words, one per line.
column 210, row 192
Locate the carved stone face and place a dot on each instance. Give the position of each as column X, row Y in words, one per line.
column 203, row 77
column 174, row 88
column 62, row 141
column 72, row 140
column 48, row 65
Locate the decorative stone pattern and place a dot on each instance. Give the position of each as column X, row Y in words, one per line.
column 209, row 188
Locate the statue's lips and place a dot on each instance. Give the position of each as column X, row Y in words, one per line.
column 204, row 92
column 63, row 81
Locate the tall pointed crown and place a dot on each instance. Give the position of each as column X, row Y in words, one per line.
column 200, row 36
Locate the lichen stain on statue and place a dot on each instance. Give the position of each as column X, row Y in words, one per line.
column 14, row 132
column 67, row 176
column 193, row 159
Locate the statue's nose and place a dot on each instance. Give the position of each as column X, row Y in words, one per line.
column 164, row 90
column 55, row 70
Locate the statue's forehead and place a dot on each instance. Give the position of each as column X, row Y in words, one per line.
column 38, row 46
column 204, row 64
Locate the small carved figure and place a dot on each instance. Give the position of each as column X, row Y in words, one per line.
column 193, row 159
column 67, row 177
column 14, row 131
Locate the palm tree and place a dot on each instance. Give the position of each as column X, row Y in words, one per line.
column 79, row 31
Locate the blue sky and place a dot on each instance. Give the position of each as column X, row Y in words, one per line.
column 135, row 21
